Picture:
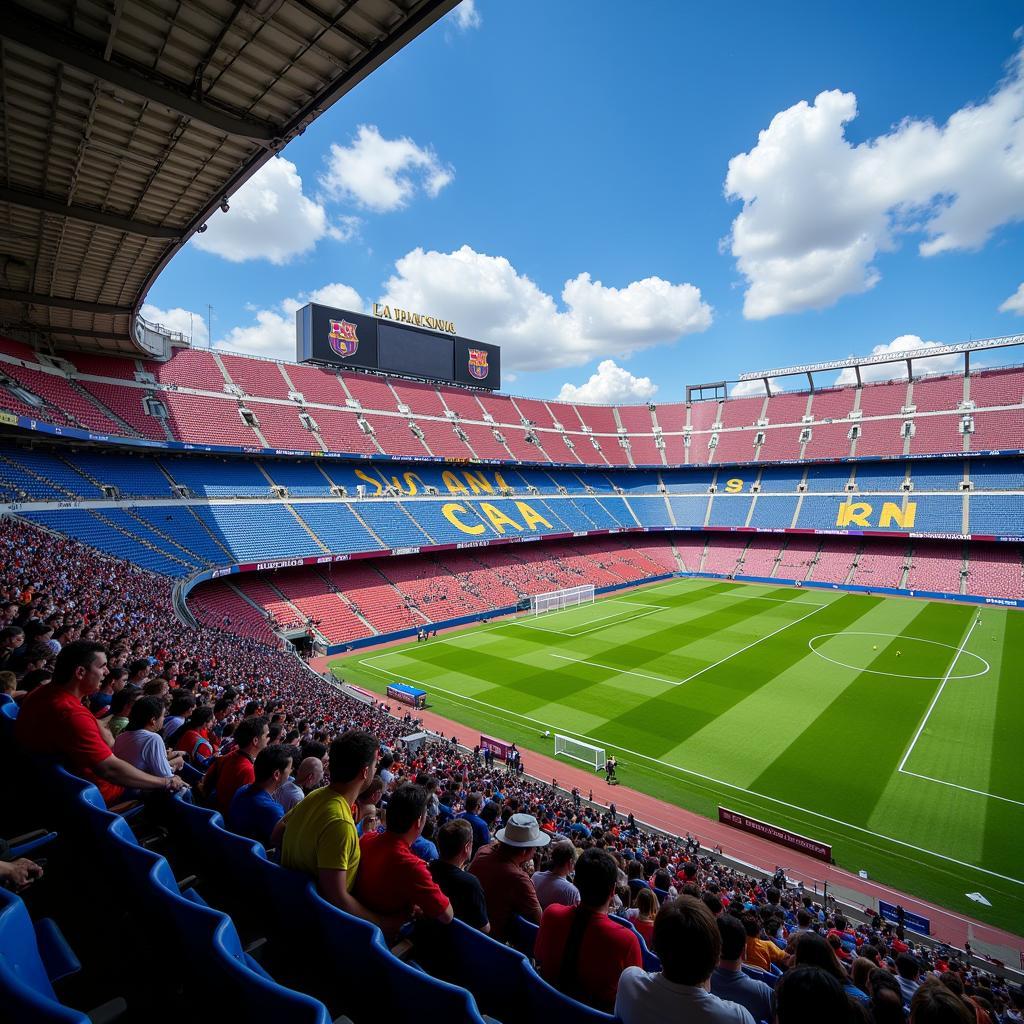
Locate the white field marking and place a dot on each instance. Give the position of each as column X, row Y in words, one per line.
column 590, row 629
column 601, row 618
column 462, row 698
column 617, row 671
column 892, row 636
column 707, row 668
column 966, row 789
column 938, row 694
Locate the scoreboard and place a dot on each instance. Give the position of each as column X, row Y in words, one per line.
column 346, row 340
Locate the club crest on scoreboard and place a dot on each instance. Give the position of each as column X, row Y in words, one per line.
column 478, row 363
column 343, row 338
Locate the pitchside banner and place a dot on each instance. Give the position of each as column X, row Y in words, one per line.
column 915, row 922
column 344, row 339
column 500, row 748
column 795, row 841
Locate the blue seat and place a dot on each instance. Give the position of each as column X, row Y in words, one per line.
column 6, row 698
column 522, row 935
column 544, row 1002
column 26, row 986
column 650, row 960
column 758, row 975
column 467, row 957
column 368, row 982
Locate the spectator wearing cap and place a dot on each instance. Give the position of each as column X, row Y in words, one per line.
column 580, row 950
column 501, row 868
column 455, row 847
column 230, row 772
column 308, row 777
column 553, row 885
column 393, row 882
column 729, row 981
column 53, row 721
column 254, row 812
column 689, row 945
column 141, row 744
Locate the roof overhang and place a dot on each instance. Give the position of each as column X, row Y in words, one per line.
column 125, row 124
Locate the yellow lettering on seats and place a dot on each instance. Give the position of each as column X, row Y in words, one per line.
column 733, row 486
column 498, row 518
column 378, row 487
column 477, row 481
column 452, row 482
column 893, row 514
column 452, row 510
column 531, row 516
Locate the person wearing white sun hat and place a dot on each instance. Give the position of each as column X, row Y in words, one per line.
column 501, row 867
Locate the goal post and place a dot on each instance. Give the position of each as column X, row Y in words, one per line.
column 566, row 746
column 555, row 600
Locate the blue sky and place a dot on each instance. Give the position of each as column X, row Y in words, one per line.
column 553, row 177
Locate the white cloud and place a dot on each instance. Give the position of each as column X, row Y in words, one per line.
column 609, row 385
column 270, row 218
column 749, row 388
column 467, row 16
column 898, row 371
column 192, row 325
column 383, row 174
column 487, row 298
column 273, row 332
column 1015, row 303
column 817, row 210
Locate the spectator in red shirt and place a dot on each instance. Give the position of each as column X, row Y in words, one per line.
column 580, row 950
column 229, row 773
column 392, row 881
column 54, row 721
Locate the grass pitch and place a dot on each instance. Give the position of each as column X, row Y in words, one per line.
column 890, row 728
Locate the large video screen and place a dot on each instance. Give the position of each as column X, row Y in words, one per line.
column 347, row 340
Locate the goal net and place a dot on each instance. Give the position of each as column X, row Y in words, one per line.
column 566, row 746
column 558, row 599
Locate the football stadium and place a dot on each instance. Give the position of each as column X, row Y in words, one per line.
column 360, row 684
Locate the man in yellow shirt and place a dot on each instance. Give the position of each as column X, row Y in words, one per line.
column 318, row 835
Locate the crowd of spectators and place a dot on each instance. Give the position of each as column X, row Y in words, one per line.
column 109, row 679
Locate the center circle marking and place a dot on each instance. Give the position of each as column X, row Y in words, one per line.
column 898, row 675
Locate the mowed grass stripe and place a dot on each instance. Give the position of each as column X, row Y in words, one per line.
column 661, row 724
column 842, row 762
column 683, row 645
column 1004, row 825
column 790, row 700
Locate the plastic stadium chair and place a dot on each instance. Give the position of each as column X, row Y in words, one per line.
column 758, row 975
column 651, row 962
column 32, row 957
column 544, row 1002
column 342, row 960
column 464, row 956
column 522, row 935
column 6, row 698
column 26, row 990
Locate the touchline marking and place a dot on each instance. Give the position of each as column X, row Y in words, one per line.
column 938, row 694
column 460, row 697
column 966, row 789
column 617, row 671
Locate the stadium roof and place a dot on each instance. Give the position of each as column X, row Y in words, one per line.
column 125, row 123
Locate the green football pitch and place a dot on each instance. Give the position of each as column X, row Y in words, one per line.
column 890, row 728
